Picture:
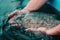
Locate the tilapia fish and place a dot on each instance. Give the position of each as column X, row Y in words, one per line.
column 36, row 20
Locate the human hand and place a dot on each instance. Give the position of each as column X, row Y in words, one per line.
column 18, row 14
column 12, row 16
column 52, row 31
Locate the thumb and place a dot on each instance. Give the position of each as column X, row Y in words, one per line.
column 54, row 31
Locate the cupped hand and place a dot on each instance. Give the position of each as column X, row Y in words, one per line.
column 52, row 31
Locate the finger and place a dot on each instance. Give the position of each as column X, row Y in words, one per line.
column 14, row 13
column 42, row 29
column 11, row 20
column 14, row 24
column 31, row 29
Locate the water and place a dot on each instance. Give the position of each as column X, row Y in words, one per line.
column 8, row 32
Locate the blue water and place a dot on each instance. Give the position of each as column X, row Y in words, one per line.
column 55, row 4
column 6, row 7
